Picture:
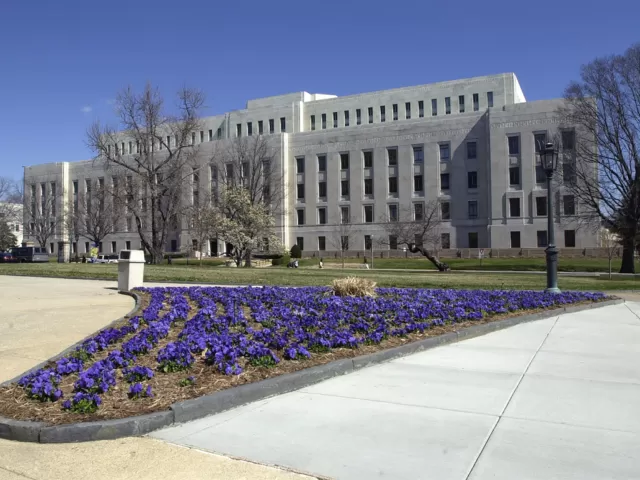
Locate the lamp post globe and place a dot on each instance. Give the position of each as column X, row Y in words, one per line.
column 549, row 163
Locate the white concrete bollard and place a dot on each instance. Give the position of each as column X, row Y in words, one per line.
column 130, row 270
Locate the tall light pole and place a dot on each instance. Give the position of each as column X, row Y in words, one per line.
column 549, row 162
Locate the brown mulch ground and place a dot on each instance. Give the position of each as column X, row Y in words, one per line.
column 15, row 404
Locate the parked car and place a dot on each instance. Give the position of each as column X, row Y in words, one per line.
column 6, row 257
column 106, row 259
column 30, row 254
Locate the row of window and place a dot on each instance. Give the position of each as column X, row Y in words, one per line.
column 568, row 141
column 272, row 127
column 346, row 114
column 445, row 241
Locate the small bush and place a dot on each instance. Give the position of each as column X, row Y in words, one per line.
column 354, row 287
column 296, row 252
column 284, row 260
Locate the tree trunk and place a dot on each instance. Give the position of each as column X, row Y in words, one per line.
column 441, row 266
column 247, row 260
column 628, row 264
column 609, row 268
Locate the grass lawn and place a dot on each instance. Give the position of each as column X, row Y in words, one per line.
column 315, row 277
column 519, row 264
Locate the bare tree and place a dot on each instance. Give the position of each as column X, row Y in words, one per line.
column 43, row 215
column 604, row 107
column 10, row 200
column 94, row 216
column 610, row 242
column 151, row 155
column 419, row 231
column 343, row 236
column 248, row 162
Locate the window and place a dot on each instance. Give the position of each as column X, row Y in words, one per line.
column 393, row 185
column 418, row 154
column 539, row 140
column 461, row 103
column 368, row 214
column 300, row 213
column 514, row 207
column 313, row 122
column 447, row 105
column 86, row 247
column 395, row 111
column 473, row 209
column 393, row 242
column 193, row 139
column 392, row 156
column 322, row 189
column 201, row 136
column 393, row 213
column 568, row 140
column 418, row 183
column 114, row 247
column 472, row 179
column 300, row 165
column 473, row 239
column 421, row 109
column 569, row 204
column 128, row 225
column 358, row 117
column 51, row 247
column 476, row 102
column 407, row 110
column 541, row 206
column 541, row 177
column 260, row 128
column 300, row 192
column 368, row 186
column 445, row 211
column 370, row 112
column 344, row 161
column 515, row 239
column 324, row 121
column 471, row 150
column 344, row 242
column 239, row 130
column 368, row 245
column 445, row 240
column 444, row 181
column 568, row 173
column 418, row 212
column 283, row 124
column 434, row 107
column 272, row 127
column 130, row 147
column 344, row 215
column 322, row 243
column 346, row 118
column 335, row 119
column 344, row 188
column 219, row 131
column 570, row 238
column 249, row 128
column 490, row 99
column 322, row 163
column 383, row 113
column 137, row 147
column 444, row 152
column 322, row 216
column 514, row 145
column 542, row 238
column 368, row 159
column 300, row 242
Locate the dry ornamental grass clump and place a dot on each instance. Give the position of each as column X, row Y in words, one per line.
column 354, row 287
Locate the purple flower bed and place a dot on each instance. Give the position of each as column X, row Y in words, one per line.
column 232, row 329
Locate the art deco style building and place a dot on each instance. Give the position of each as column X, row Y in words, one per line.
column 467, row 145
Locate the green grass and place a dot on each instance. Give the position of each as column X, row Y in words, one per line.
column 507, row 264
column 309, row 276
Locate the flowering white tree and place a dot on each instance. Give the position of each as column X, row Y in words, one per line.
column 611, row 244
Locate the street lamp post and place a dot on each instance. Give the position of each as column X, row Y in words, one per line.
column 549, row 162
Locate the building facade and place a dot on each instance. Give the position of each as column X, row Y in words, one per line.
column 466, row 147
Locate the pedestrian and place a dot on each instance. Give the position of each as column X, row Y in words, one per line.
column 321, row 262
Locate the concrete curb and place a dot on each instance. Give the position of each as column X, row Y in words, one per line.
column 136, row 299
column 200, row 407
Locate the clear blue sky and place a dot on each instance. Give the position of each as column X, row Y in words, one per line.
column 62, row 62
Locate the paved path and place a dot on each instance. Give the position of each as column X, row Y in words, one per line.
column 40, row 317
column 553, row 399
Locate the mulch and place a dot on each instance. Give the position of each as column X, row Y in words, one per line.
column 15, row 404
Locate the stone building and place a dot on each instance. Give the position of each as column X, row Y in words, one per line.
column 465, row 147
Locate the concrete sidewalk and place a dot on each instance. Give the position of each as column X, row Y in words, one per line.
column 556, row 398
column 40, row 317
